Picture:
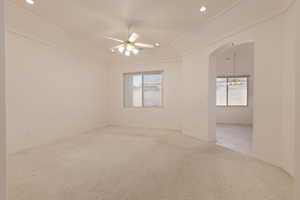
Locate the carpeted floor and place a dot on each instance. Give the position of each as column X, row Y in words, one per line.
column 141, row 164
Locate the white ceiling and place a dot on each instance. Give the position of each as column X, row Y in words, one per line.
column 160, row 21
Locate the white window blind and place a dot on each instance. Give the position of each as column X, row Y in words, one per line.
column 143, row 89
column 228, row 94
column 133, row 90
column 221, row 91
column 238, row 94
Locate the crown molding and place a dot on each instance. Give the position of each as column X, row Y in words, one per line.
column 212, row 18
column 240, row 30
column 149, row 61
column 164, row 59
column 23, row 35
column 55, row 43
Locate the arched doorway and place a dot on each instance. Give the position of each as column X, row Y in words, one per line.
column 231, row 88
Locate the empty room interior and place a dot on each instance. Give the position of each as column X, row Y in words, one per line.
column 234, row 97
column 149, row 100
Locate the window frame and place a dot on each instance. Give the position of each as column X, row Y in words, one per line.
column 142, row 73
column 227, row 89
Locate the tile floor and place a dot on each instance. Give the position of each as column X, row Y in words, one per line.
column 235, row 137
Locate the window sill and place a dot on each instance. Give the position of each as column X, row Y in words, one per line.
column 148, row 107
column 232, row 106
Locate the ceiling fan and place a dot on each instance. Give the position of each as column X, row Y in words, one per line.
column 130, row 46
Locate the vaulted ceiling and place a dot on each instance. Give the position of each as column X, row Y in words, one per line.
column 160, row 21
column 172, row 23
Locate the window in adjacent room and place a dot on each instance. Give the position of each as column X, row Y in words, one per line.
column 232, row 91
column 143, row 89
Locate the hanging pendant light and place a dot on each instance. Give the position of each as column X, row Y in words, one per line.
column 235, row 81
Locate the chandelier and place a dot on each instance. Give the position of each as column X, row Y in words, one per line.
column 234, row 81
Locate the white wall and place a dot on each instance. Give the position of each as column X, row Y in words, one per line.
column 297, row 99
column 75, row 77
column 195, row 102
column 51, row 91
column 244, row 66
column 167, row 117
column 297, row 143
column 288, row 88
column 267, row 35
column 260, row 22
column 2, row 108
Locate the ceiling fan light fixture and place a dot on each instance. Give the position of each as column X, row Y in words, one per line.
column 121, row 49
column 127, row 53
column 31, row 2
column 133, row 37
column 135, row 51
column 203, row 8
column 129, row 47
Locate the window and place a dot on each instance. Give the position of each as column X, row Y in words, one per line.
column 232, row 91
column 221, row 91
column 143, row 89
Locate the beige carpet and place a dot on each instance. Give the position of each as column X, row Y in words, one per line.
column 141, row 164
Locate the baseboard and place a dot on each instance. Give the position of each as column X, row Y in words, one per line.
column 143, row 127
column 188, row 134
column 56, row 140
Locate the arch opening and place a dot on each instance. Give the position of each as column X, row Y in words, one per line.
column 231, row 92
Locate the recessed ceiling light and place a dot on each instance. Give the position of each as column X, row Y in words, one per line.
column 203, row 9
column 157, row 44
column 31, row 2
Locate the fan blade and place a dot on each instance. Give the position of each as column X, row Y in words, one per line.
column 133, row 37
column 142, row 45
column 118, row 46
column 115, row 39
